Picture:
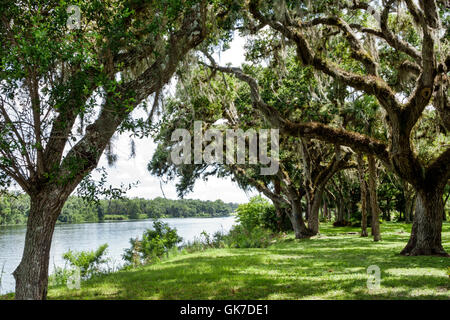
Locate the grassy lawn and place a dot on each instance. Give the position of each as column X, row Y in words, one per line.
column 332, row 265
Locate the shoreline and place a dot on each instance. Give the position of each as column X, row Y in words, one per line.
column 117, row 220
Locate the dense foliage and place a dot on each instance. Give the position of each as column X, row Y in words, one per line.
column 88, row 262
column 257, row 224
column 82, row 265
column 155, row 243
column 258, row 212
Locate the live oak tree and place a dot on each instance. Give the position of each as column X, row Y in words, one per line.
column 306, row 166
column 404, row 66
column 317, row 175
column 69, row 80
column 200, row 97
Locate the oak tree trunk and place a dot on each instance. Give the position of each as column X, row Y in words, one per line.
column 426, row 231
column 373, row 199
column 340, row 211
column 298, row 224
column 363, row 187
column 282, row 216
column 314, row 202
column 32, row 273
column 444, row 214
column 408, row 209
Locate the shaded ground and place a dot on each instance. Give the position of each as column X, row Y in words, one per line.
column 330, row 266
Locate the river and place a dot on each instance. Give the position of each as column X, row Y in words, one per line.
column 89, row 236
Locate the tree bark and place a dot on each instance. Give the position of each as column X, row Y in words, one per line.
column 444, row 214
column 340, row 211
column 363, row 187
column 32, row 273
column 314, row 202
column 281, row 216
column 373, row 199
column 410, row 206
column 427, row 225
column 300, row 229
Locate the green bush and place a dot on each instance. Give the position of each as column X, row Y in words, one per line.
column 240, row 237
column 89, row 262
column 60, row 276
column 153, row 245
column 259, row 212
column 206, row 241
column 271, row 221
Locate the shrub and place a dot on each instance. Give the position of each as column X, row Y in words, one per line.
column 89, row 262
column 60, row 276
column 154, row 244
column 206, row 241
column 214, row 241
column 271, row 221
column 240, row 237
column 259, row 212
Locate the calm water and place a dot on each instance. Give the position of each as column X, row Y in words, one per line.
column 89, row 236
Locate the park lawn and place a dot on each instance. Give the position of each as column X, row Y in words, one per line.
column 332, row 265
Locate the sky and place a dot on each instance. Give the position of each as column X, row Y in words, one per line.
column 129, row 170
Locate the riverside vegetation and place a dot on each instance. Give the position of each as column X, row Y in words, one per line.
column 15, row 208
column 357, row 90
column 258, row 261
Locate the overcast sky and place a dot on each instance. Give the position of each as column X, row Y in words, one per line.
column 128, row 170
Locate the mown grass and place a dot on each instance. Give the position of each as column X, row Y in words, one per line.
column 332, row 265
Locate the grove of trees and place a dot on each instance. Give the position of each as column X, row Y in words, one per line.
column 357, row 88
column 340, row 80
column 15, row 208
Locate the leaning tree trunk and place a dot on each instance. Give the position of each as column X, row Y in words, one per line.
column 314, row 202
column 32, row 273
column 281, row 216
column 373, row 199
column 426, row 231
column 298, row 224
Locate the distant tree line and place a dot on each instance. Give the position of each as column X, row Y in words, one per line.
column 15, row 207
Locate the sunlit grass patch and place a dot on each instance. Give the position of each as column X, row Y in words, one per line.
column 330, row 266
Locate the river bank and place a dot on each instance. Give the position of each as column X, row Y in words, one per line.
column 333, row 265
column 89, row 236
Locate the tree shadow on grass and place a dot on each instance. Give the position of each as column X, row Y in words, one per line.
column 270, row 274
column 326, row 267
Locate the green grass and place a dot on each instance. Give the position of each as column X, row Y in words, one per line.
column 332, row 265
